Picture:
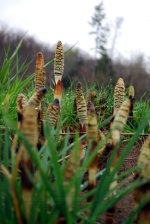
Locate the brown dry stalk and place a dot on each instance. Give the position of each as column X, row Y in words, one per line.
column 5, row 172
column 62, row 159
column 12, row 178
column 21, row 103
column 16, row 205
column 14, row 143
column 123, row 133
column 132, row 133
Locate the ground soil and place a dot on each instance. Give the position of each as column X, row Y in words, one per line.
column 126, row 205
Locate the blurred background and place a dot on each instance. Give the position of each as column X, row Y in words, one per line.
column 111, row 38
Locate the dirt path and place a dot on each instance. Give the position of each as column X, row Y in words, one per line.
column 126, row 205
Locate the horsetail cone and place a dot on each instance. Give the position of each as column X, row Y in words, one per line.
column 37, row 96
column 144, row 159
column 131, row 92
column 53, row 111
column 29, row 124
column 36, row 99
column 21, row 102
column 59, row 62
column 39, row 61
column 43, row 111
column 120, row 121
column 92, row 126
column 143, row 216
column 30, row 130
column 40, row 76
column 92, row 136
column 72, row 165
column 91, row 96
column 119, row 93
column 81, row 105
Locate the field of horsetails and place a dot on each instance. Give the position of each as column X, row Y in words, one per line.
column 71, row 156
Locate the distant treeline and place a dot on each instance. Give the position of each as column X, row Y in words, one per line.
column 78, row 66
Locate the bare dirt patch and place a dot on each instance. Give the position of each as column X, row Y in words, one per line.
column 126, row 205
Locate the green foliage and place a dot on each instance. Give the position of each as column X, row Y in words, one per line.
column 10, row 85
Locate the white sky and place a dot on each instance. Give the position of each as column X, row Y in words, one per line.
column 67, row 20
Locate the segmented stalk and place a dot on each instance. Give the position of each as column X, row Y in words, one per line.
column 81, row 105
column 73, row 164
column 119, row 93
column 92, row 136
column 30, row 130
column 131, row 97
column 37, row 97
column 53, row 113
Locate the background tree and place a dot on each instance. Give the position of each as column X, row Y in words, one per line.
column 103, row 64
column 99, row 30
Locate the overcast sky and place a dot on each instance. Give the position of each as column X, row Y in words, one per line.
column 67, row 20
